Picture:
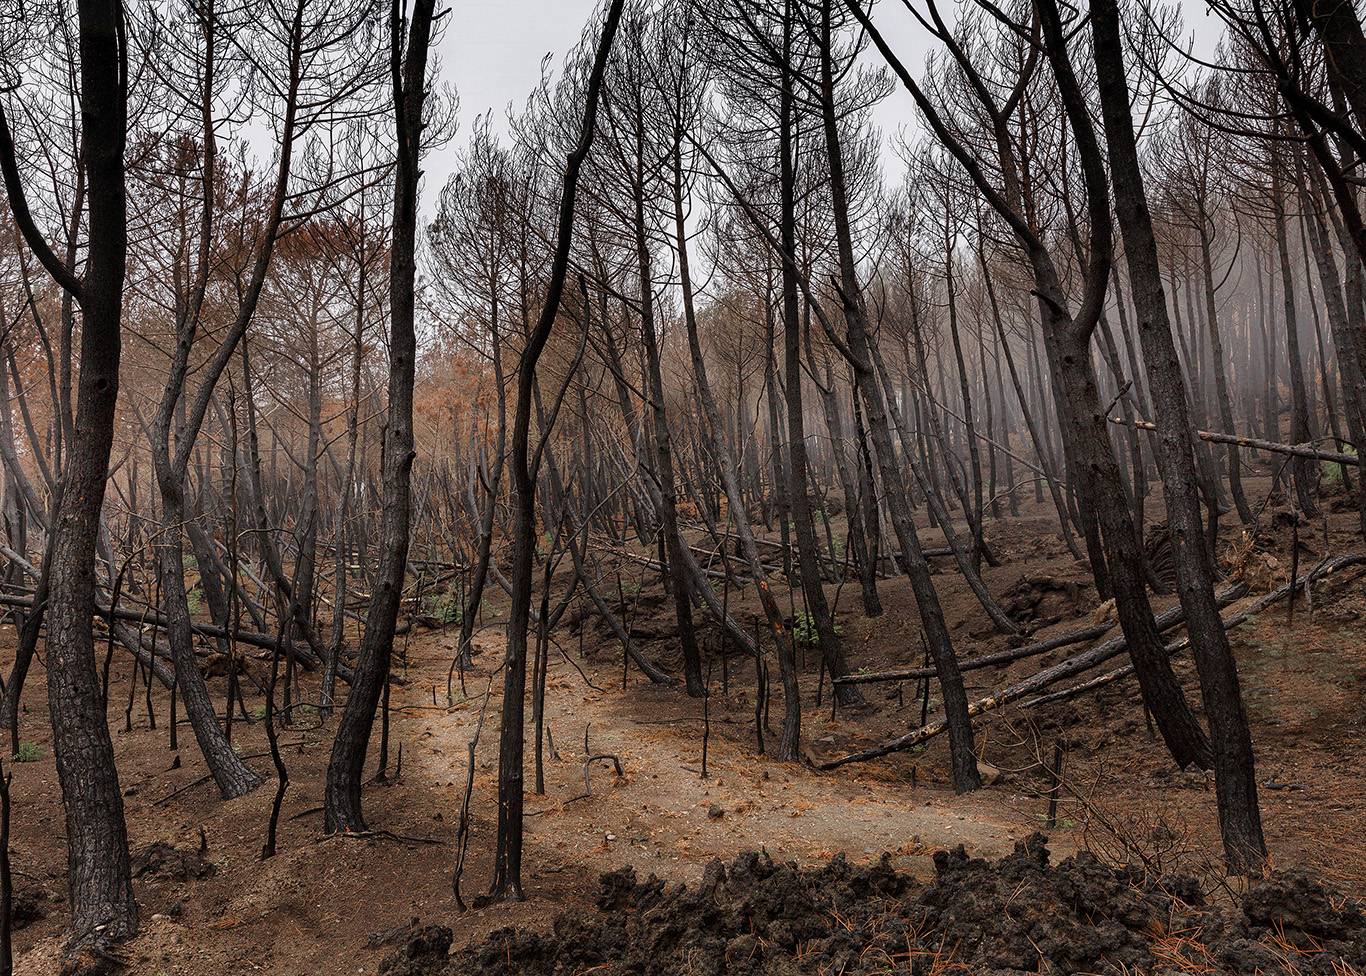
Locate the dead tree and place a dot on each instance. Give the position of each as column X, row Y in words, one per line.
column 1068, row 335
column 1235, row 779
column 103, row 912
column 408, row 67
column 507, row 883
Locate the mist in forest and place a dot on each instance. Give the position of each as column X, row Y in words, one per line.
column 694, row 334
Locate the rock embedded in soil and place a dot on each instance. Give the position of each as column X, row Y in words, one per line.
column 758, row 917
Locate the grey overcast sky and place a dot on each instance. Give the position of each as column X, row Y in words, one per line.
column 491, row 53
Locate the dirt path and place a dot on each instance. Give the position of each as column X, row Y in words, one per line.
column 660, row 816
column 335, row 904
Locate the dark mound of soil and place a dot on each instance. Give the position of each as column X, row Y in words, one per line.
column 26, row 907
column 164, row 861
column 1040, row 601
column 1020, row 914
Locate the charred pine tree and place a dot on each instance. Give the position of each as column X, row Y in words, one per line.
column 408, row 67
column 103, row 911
column 1235, row 780
column 1068, row 334
column 1300, row 430
column 799, row 491
column 507, row 881
column 961, row 747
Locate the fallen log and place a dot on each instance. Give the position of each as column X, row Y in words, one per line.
column 740, row 578
column 1322, row 569
column 1255, row 444
column 1042, row 679
column 147, row 658
column 618, row 631
column 704, row 551
column 250, row 638
column 986, row 660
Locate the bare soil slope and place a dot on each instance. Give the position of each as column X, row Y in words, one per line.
column 340, row 904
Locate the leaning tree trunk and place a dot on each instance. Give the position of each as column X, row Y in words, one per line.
column 1235, row 467
column 1341, row 306
column 1068, row 347
column 233, row 777
column 347, row 489
column 486, row 515
column 974, row 511
column 799, row 492
column 664, row 458
column 934, row 501
column 1300, row 432
column 184, row 417
column 1083, row 424
column 1087, row 441
column 962, row 750
column 1045, row 466
column 1235, row 779
column 730, row 479
column 855, row 508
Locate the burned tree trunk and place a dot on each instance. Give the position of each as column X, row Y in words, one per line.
column 341, row 801
column 1235, row 780
column 507, row 881
column 103, row 911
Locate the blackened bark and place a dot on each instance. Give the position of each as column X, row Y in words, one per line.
column 934, row 500
column 341, row 800
column 1236, row 785
column 102, row 906
column 1067, row 341
column 664, row 458
column 1059, row 503
column 653, row 502
column 1300, row 432
column 27, row 643
column 481, row 571
column 507, row 880
column 962, row 750
column 1235, row 474
column 1091, row 461
column 1339, row 26
column 184, row 420
column 961, row 745
column 778, row 499
column 799, row 489
column 1341, row 307
column 854, row 505
column 973, row 513
column 730, row 479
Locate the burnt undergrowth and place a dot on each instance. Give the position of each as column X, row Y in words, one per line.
column 1023, row 913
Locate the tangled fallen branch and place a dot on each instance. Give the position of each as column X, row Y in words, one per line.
column 987, row 660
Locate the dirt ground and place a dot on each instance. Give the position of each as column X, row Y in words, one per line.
column 338, row 904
